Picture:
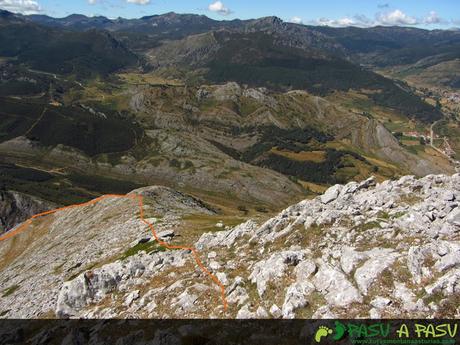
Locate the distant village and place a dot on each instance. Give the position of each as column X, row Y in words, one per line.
column 424, row 136
column 429, row 137
column 452, row 96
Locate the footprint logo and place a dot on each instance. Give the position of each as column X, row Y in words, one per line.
column 322, row 331
column 340, row 330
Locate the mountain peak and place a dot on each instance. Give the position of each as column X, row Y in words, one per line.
column 266, row 23
column 76, row 17
column 271, row 20
column 173, row 16
column 6, row 14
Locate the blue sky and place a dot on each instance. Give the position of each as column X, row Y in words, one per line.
column 420, row 13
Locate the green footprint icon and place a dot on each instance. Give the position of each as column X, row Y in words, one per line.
column 322, row 331
column 339, row 330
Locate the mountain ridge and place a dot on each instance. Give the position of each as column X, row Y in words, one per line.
column 312, row 169
column 267, row 20
column 223, row 88
column 341, row 237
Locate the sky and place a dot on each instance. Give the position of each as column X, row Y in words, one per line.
column 429, row 14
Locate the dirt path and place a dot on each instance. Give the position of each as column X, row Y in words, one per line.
column 36, row 122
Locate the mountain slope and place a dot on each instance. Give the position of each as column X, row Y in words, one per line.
column 262, row 112
column 387, row 43
column 344, row 238
column 185, row 137
column 269, row 59
column 82, row 54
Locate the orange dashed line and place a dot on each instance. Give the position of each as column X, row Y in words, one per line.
column 140, row 199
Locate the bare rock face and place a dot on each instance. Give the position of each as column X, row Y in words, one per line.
column 273, row 268
column 364, row 249
column 395, row 244
column 80, row 256
column 331, row 194
column 16, row 207
column 336, row 287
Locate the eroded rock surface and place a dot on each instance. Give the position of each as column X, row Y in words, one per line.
column 364, row 249
column 17, row 207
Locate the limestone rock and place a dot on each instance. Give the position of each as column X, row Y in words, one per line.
column 335, row 286
column 379, row 260
column 296, row 297
column 131, row 297
column 244, row 313
column 273, row 268
column 328, row 254
column 331, row 194
column 276, row 312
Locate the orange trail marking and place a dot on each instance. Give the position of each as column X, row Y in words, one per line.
column 140, row 199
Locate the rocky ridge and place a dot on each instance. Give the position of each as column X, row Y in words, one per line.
column 69, row 244
column 363, row 249
column 359, row 250
column 16, row 207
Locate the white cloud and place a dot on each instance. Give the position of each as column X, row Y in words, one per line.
column 433, row 18
column 20, row 6
column 220, row 8
column 92, row 2
column 138, row 2
column 336, row 22
column 358, row 20
column 391, row 18
column 296, row 20
column 396, row 17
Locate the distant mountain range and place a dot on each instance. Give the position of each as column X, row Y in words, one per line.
column 349, row 40
column 264, row 51
column 212, row 128
column 164, row 98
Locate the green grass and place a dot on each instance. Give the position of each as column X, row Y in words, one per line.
column 397, row 126
column 103, row 184
column 58, row 269
column 9, row 291
column 365, row 105
column 61, row 189
column 415, row 149
column 399, row 215
column 207, row 223
column 315, row 300
column 248, row 106
column 408, row 72
column 368, row 226
column 383, row 215
column 147, row 247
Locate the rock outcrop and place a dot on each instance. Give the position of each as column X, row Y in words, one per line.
column 16, row 207
column 364, row 249
column 359, row 250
